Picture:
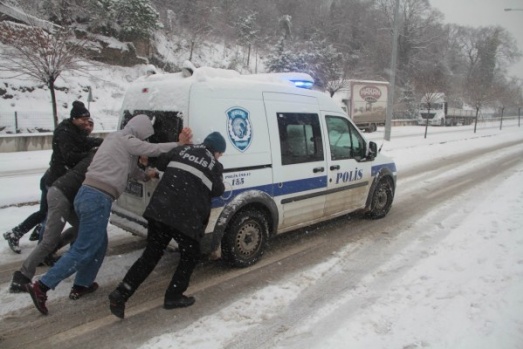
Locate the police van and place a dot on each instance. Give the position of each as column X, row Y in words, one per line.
column 293, row 156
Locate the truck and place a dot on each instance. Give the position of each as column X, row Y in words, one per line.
column 365, row 101
column 434, row 109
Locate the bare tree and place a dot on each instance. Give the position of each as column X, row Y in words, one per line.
column 431, row 83
column 41, row 55
column 334, row 86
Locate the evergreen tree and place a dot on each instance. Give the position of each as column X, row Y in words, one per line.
column 136, row 18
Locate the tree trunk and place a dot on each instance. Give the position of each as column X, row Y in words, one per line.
column 476, row 119
column 501, row 119
column 192, row 47
column 427, row 124
column 248, row 55
column 53, row 103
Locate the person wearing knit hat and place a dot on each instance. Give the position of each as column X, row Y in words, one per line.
column 215, row 142
column 79, row 110
column 71, row 142
column 179, row 209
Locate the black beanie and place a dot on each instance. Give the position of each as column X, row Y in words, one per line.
column 215, row 142
column 79, row 110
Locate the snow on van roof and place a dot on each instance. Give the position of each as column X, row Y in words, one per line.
column 207, row 73
column 144, row 96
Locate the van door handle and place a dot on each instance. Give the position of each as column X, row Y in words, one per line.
column 318, row 169
column 335, row 167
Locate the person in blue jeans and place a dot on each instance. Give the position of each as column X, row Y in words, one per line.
column 115, row 161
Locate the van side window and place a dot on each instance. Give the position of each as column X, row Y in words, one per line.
column 300, row 138
column 345, row 142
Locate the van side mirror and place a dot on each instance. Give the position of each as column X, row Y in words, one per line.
column 372, row 151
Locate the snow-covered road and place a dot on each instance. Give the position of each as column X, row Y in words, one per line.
column 443, row 270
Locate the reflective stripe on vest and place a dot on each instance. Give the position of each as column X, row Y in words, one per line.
column 193, row 171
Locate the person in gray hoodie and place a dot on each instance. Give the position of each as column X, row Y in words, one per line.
column 115, row 161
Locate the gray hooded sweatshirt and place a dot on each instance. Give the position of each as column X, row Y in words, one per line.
column 116, row 159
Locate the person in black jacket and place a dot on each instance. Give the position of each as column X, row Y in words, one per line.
column 179, row 209
column 71, row 142
column 60, row 198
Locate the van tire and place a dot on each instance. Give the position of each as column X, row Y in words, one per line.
column 245, row 239
column 381, row 199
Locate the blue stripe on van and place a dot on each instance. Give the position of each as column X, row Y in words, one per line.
column 375, row 169
column 276, row 189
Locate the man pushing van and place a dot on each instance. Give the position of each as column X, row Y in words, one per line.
column 179, row 209
column 115, row 161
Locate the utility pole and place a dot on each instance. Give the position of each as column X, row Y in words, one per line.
column 390, row 99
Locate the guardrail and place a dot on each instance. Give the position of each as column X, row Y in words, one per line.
column 33, row 141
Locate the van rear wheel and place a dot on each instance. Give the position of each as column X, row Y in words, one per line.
column 381, row 199
column 245, row 239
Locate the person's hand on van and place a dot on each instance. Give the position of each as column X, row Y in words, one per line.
column 185, row 136
column 151, row 173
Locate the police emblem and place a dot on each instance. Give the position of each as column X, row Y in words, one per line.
column 239, row 128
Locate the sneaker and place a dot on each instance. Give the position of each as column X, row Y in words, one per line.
column 19, row 282
column 178, row 302
column 12, row 240
column 78, row 292
column 117, row 304
column 35, row 235
column 38, row 296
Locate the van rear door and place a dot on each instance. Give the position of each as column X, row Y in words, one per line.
column 299, row 164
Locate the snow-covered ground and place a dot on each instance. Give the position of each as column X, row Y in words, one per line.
column 467, row 291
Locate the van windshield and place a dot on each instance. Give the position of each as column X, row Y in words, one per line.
column 167, row 125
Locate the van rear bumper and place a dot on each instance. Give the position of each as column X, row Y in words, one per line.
column 137, row 225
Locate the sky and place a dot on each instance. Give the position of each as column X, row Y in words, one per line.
column 477, row 13
column 465, row 291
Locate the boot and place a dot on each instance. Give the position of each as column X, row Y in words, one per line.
column 117, row 304
column 178, row 302
column 38, row 292
column 19, row 282
column 78, row 291
column 35, row 235
column 13, row 239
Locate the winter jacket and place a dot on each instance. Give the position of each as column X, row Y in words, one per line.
column 70, row 183
column 117, row 158
column 70, row 145
column 182, row 198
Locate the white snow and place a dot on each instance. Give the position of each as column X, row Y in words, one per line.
column 466, row 291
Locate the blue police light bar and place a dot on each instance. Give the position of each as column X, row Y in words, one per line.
column 300, row 80
column 303, row 84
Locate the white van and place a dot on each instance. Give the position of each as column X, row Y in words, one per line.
column 293, row 157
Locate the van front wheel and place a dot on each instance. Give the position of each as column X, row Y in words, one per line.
column 245, row 239
column 381, row 199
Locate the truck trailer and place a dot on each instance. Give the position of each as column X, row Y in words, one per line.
column 365, row 101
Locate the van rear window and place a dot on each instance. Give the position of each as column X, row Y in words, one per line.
column 167, row 125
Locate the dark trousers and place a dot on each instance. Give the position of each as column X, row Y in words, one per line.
column 158, row 237
column 34, row 218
